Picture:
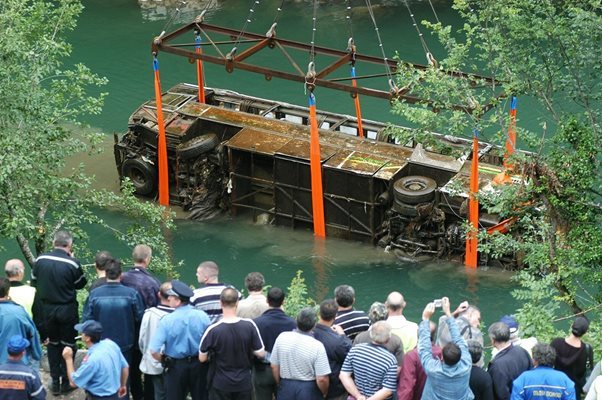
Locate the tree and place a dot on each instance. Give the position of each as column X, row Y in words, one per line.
column 41, row 102
column 548, row 50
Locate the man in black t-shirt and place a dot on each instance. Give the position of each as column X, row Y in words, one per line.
column 231, row 344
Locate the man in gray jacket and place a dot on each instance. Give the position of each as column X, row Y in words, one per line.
column 151, row 368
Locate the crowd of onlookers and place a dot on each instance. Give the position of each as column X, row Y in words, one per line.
column 151, row 340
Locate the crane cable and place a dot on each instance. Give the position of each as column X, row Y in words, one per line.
column 315, row 159
column 392, row 85
column 253, row 5
column 272, row 31
column 434, row 12
column 351, row 48
column 429, row 56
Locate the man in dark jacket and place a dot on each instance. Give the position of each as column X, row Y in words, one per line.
column 509, row 362
column 337, row 346
column 147, row 286
column 480, row 381
column 57, row 276
column 118, row 308
column 270, row 324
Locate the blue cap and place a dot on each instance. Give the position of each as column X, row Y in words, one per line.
column 511, row 322
column 16, row 344
column 179, row 289
column 89, row 327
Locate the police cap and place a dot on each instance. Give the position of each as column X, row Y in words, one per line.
column 179, row 289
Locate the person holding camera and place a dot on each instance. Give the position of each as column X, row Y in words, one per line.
column 447, row 379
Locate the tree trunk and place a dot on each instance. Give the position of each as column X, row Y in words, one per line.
column 24, row 245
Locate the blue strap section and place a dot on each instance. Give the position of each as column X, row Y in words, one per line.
column 353, row 72
column 155, row 64
column 475, row 132
column 312, row 99
column 513, row 103
column 197, row 40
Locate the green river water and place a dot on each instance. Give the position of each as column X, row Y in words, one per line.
column 113, row 38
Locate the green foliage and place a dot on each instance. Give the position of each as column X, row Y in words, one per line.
column 297, row 297
column 548, row 51
column 41, row 103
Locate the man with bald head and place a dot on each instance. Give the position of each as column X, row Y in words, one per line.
column 20, row 292
column 407, row 331
column 207, row 297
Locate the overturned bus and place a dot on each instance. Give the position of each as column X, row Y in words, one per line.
column 250, row 156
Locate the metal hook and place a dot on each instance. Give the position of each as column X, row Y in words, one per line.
column 393, row 86
column 272, row 32
column 201, row 17
column 231, row 54
column 351, row 45
column 432, row 61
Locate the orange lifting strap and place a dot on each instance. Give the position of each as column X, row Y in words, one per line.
column 199, row 70
column 317, row 197
column 162, row 145
column 511, row 141
column 358, row 110
column 473, row 207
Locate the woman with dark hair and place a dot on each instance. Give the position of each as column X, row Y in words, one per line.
column 571, row 354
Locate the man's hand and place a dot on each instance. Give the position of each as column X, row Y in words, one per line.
column 428, row 311
column 445, row 306
column 338, row 330
column 67, row 353
column 122, row 391
column 461, row 308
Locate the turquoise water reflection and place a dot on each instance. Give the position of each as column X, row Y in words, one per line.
column 113, row 38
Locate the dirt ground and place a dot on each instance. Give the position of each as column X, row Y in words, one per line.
column 77, row 394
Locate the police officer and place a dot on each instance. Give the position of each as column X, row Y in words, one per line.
column 57, row 276
column 103, row 373
column 179, row 334
column 17, row 380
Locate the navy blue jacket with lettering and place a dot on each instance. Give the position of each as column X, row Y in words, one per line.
column 543, row 383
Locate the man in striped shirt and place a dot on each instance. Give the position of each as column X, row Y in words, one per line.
column 373, row 367
column 299, row 361
column 207, row 297
column 350, row 320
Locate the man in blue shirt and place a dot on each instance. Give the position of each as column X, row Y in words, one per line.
column 448, row 379
column 104, row 372
column 543, row 382
column 14, row 320
column 17, row 380
column 176, row 344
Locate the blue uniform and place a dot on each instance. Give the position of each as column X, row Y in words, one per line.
column 543, row 383
column 14, row 320
column 180, row 332
column 100, row 371
column 19, row 382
